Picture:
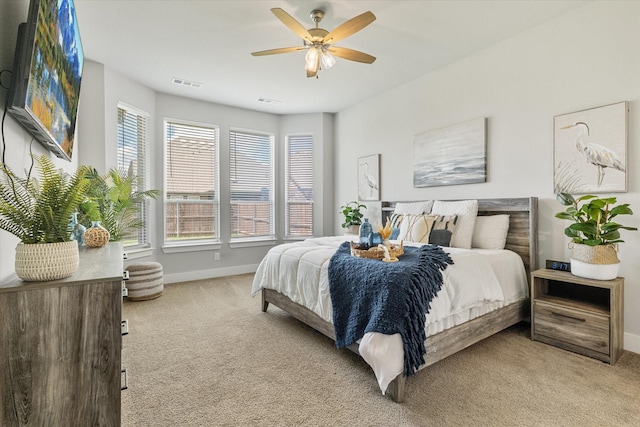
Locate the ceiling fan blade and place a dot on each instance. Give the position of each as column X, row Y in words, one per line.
column 279, row 50
column 347, row 28
column 291, row 22
column 352, row 55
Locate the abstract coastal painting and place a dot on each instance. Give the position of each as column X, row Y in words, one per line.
column 369, row 177
column 590, row 150
column 451, row 156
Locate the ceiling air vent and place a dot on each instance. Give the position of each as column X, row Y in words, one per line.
column 188, row 83
column 269, row 101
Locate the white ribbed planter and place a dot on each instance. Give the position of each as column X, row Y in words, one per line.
column 595, row 262
column 594, row 271
column 352, row 230
column 46, row 261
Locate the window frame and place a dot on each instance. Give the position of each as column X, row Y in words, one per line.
column 142, row 157
column 187, row 245
column 287, row 201
column 239, row 242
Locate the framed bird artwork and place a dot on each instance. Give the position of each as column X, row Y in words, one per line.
column 590, row 150
column 369, row 177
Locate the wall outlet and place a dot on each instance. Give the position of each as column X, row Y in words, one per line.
column 216, row 256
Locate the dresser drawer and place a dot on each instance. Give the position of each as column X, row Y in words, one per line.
column 574, row 326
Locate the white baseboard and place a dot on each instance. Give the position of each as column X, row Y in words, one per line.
column 210, row 274
column 632, row 342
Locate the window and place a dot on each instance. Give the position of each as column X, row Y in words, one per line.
column 191, row 202
column 132, row 155
column 251, row 185
column 299, row 186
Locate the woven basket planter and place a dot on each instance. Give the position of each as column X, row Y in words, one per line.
column 595, row 262
column 46, row 261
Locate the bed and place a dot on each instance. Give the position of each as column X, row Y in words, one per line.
column 301, row 291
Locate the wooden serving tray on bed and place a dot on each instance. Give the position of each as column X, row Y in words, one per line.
column 376, row 252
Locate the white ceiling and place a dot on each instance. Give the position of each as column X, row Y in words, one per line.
column 210, row 42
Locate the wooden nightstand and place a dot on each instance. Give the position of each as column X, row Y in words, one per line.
column 581, row 315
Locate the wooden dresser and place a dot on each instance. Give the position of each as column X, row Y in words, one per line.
column 577, row 314
column 61, row 343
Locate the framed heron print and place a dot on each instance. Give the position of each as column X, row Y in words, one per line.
column 369, row 177
column 590, row 150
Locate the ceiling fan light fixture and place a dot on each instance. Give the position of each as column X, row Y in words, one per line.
column 311, row 59
column 318, row 40
column 328, row 60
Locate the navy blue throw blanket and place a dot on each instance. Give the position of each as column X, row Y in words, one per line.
column 369, row 295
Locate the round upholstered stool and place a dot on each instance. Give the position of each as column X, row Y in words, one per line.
column 145, row 281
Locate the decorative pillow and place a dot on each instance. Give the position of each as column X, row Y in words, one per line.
column 416, row 228
column 413, row 208
column 490, row 232
column 443, row 228
column 394, row 222
column 467, row 210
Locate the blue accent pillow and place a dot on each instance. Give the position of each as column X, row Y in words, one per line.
column 395, row 232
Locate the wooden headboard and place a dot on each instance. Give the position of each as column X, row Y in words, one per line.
column 522, row 237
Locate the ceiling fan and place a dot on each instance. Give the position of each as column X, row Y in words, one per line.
column 319, row 42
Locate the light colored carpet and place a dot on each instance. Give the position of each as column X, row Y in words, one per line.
column 204, row 354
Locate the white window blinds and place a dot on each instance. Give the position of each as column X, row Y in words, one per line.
column 299, row 186
column 191, row 182
column 251, row 185
column 132, row 155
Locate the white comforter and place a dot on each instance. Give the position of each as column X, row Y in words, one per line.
column 478, row 282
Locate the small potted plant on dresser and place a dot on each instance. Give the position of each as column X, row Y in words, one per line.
column 38, row 212
column 352, row 217
column 594, row 234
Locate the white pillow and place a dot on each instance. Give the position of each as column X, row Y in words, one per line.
column 416, row 228
column 490, row 232
column 413, row 208
column 467, row 210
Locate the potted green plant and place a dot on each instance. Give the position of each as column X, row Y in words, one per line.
column 352, row 216
column 594, row 234
column 114, row 201
column 38, row 212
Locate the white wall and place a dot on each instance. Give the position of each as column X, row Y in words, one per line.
column 587, row 58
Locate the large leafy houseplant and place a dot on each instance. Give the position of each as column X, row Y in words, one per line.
column 352, row 214
column 113, row 199
column 594, row 234
column 592, row 218
column 37, row 210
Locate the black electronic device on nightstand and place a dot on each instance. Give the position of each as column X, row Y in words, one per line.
column 558, row 265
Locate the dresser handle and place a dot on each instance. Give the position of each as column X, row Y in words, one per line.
column 125, row 327
column 125, row 275
column 126, row 379
column 555, row 313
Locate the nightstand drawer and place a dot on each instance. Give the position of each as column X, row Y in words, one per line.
column 578, row 327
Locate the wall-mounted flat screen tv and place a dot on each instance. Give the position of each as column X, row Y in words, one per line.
column 47, row 71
